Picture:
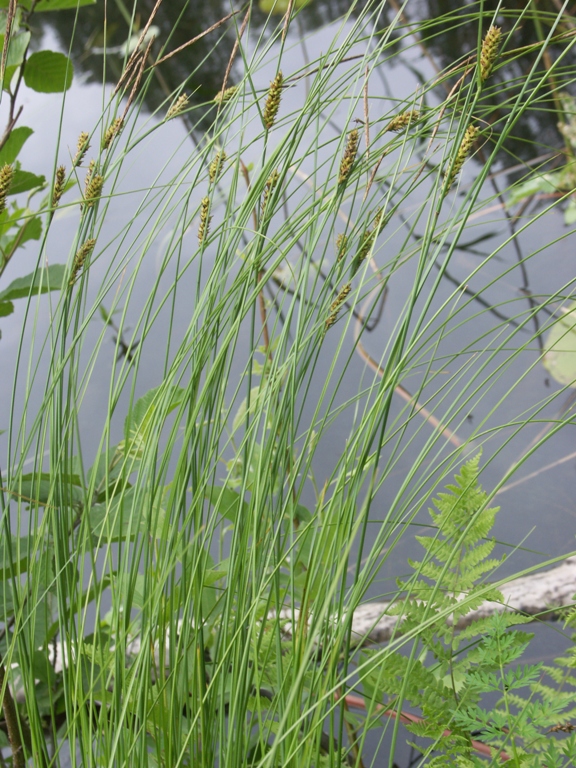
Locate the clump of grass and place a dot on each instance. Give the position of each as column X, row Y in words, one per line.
column 202, row 552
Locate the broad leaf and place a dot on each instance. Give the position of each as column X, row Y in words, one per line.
column 46, row 279
column 14, row 144
column 143, row 417
column 42, row 488
column 31, row 229
column 228, row 503
column 280, row 6
column 48, row 72
column 24, row 181
column 6, row 308
column 560, row 347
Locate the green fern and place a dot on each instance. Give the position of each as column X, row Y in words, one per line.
column 451, row 671
column 468, row 683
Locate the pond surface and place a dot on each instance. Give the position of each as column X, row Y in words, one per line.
column 538, row 515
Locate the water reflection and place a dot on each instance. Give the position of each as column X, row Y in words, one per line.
column 442, row 42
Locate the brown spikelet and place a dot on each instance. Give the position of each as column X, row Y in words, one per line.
column 341, row 246
column 403, row 120
column 367, row 240
column 268, row 189
column 217, row 165
column 93, row 189
column 335, row 306
column 89, row 172
column 349, row 156
column 223, row 96
column 177, row 107
column 464, row 150
column 272, row 102
column 81, row 255
column 59, row 183
column 205, row 219
column 111, row 132
column 489, row 52
column 81, row 148
column 6, row 176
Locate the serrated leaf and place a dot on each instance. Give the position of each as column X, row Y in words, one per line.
column 48, row 72
column 46, row 279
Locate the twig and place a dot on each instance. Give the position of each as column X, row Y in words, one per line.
column 7, row 38
column 287, row 19
column 195, row 39
column 235, row 49
column 451, row 436
column 261, row 299
column 12, row 723
column 366, row 116
column 406, row 717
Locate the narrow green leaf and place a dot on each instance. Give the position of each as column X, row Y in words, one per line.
column 48, row 72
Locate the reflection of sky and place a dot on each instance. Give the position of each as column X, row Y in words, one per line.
column 544, row 503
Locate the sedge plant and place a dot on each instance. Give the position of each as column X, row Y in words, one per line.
column 282, row 400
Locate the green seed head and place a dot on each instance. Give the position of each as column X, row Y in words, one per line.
column 205, row 219
column 112, row 132
column 81, row 148
column 59, row 183
column 177, row 107
column 272, row 101
column 349, row 156
column 403, row 120
column 489, row 52
column 6, row 176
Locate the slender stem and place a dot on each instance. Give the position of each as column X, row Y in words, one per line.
column 12, row 722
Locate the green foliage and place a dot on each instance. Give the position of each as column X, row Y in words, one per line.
column 449, row 681
column 48, row 72
column 179, row 586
